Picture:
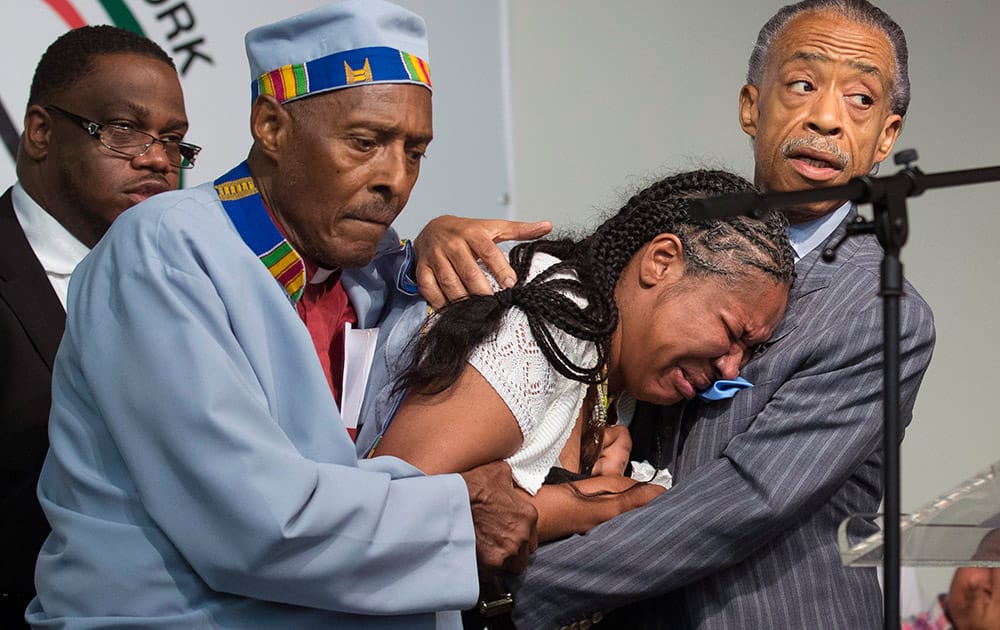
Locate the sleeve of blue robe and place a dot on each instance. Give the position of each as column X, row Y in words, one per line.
column 193, row 432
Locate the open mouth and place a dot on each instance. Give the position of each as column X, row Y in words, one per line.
column 815, row 158
column 814, row 162
column 815, row 165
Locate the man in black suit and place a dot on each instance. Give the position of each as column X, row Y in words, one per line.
column 103, row 130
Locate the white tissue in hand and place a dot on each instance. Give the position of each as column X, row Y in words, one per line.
column 644, row 471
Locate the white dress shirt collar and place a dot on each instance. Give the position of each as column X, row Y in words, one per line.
column 58, row 250
column 807, row 236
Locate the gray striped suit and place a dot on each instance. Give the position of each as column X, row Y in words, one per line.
column 746, row 539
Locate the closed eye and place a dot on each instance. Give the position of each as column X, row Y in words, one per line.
column 364, row 144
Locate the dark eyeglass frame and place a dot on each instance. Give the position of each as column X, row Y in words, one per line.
column 188, row 152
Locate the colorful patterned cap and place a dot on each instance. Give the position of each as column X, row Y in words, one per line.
column 346, row 44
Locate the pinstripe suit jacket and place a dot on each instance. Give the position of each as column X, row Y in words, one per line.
column 746, row 539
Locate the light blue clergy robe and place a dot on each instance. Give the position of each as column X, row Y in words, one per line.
column 199, row 474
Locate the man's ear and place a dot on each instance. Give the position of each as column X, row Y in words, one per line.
column 37, row 133
column 270, row 125
column 749, row 109
column 890, row 131
column 662, row 260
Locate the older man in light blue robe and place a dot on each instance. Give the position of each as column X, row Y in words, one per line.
column 199, row 474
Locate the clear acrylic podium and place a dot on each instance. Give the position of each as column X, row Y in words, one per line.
column 959, row 528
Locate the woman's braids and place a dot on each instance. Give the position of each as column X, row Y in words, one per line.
column 588, row 272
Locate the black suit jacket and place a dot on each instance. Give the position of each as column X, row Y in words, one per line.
column 31, row 324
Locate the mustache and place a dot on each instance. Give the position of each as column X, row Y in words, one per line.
column 375, row 211
column 824, row 145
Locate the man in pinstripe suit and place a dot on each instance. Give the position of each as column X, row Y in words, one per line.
column 746, row 539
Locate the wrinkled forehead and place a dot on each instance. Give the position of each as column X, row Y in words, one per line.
column 830, row 35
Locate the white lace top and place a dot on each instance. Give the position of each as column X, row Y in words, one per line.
column 544, row 402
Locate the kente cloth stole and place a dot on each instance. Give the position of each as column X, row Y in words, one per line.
column 329, row 306
column 243, row 204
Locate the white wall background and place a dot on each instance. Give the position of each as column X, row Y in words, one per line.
column 605, row 96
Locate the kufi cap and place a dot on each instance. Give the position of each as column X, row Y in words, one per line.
column 341, row 45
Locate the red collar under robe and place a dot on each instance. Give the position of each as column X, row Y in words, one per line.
column 325, row 309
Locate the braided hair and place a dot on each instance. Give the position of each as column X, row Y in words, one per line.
column 576, row 295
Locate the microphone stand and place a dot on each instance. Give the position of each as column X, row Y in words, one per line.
column 889, row 224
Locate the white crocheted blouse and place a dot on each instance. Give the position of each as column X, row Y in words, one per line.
column 544, row 402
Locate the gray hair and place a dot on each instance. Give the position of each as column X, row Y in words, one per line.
column 860, row 11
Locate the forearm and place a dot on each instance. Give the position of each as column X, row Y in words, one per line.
column 259, row 503
column 577, row 507
column 682, row 535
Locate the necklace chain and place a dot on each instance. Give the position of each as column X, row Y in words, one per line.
column 599, row 418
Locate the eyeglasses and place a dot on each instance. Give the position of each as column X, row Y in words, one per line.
column 132, row 142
